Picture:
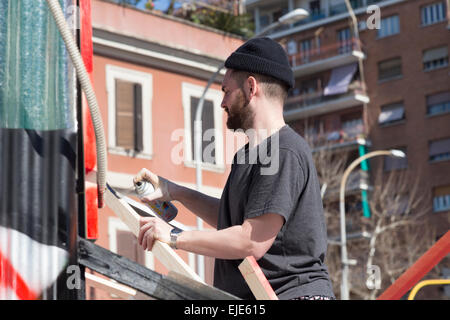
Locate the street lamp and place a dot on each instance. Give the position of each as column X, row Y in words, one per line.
column 288, row 18
column 345, row 261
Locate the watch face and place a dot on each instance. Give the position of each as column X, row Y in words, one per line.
column 176, row 231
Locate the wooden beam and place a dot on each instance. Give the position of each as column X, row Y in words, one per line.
column 419, row 269
column 162, row 251
column 109, row 286
column 258, row 283
column 138, row 277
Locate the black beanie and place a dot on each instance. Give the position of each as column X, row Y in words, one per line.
column 262, row 56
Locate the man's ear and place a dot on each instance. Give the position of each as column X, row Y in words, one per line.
column 253, row 86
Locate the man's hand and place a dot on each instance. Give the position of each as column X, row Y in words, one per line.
column 152, row 229
column 163, row 187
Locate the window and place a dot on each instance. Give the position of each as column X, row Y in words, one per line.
column 305, row 50
column 396, row 163
column 128, row 115
column 441, row 199
column 433, row 13
column 391, row 113
column 264, row 20
column 389, row 69
column 345, row 41
column 389, row 26
column 435, row 58
column 440, row 150
column 212, row 132
column 129, row 112
column 123, row 242
column 438, row 103
column 352, row 127
column 314, row 8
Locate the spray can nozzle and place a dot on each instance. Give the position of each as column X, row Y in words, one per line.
column 165, row 210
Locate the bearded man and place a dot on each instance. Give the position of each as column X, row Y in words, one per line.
column 274, row 215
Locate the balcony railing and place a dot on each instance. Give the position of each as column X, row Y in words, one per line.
column 308, row 99
column 336, row 137
column 320, row 53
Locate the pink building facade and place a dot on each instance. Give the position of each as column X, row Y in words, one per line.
column 149, row 72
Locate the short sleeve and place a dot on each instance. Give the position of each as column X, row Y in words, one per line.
column 277, row 189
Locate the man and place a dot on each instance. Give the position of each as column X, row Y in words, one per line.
column 275, row 215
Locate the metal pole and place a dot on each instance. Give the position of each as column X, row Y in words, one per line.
column 344, row 258
column 198, row 160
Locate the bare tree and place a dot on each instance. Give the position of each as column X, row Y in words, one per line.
column 398, row 227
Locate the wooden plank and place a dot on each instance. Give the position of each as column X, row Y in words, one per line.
column 418, row 270
column 162, row 251
column 258, row 283
column 139, row 277
column 118, row 289
column 214, row 293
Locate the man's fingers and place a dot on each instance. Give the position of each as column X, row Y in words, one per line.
column 150, row 240
column 144, row 228
column 147, row 175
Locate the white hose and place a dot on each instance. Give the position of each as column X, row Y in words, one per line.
column 86, row 86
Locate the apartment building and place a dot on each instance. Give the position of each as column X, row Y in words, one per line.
column 149, row 73
column 363, row 86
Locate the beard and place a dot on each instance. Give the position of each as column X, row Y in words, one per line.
column 240, row 116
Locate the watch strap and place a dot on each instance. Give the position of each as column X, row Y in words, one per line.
column 174, row 236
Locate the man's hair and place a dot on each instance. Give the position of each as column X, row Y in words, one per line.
column 272, row 88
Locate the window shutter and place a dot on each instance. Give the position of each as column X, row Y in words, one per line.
column 435, row 54
column 389, row 69
column 138, row 132
column 438, row 98
column 439, row 147
column 124, row 114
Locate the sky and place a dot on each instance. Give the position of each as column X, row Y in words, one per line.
column 161, row 5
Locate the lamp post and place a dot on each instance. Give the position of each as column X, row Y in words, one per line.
column 344, row 259
column 288, row 18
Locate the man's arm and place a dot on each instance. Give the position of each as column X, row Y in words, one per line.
column 253, row 238
column 204, row 206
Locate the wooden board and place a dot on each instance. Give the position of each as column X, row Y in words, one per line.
column 109, row 286
column 258, row 283
column 140, row 278
column 162, row 251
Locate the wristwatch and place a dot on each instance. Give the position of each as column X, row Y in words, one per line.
column 174, row 236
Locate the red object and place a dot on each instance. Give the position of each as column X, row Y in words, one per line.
column 10, row 278
column 90, row 156
column 419, row 269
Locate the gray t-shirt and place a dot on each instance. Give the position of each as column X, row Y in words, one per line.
column 281, row 180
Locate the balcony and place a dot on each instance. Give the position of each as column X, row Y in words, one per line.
column 357, row 181
column 323, row 58
column 329, row 12
column 316, row 103
column 349, row 137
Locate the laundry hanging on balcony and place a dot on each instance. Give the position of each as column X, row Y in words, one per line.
column 340, row 79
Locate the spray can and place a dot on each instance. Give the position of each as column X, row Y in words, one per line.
column 164, row 209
